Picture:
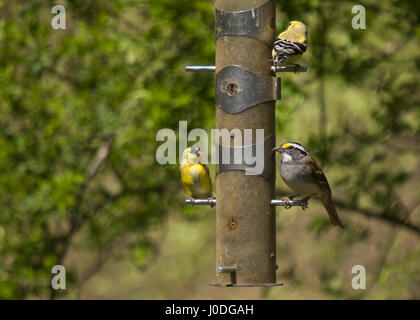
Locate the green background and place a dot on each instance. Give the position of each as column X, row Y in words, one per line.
column 80, row 186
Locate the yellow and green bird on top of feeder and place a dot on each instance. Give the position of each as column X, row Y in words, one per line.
column 195, row 176
column 290, row 44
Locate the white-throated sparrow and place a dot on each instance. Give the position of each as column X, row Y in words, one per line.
column 304, row 176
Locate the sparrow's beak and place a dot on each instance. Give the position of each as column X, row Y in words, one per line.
column 278, row 149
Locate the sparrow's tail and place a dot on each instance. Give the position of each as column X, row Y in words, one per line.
column 332, row 212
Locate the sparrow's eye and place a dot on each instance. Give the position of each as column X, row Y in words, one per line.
column 289, row 24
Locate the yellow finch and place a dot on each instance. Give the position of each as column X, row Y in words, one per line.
column 195, row 176
column 290, row 44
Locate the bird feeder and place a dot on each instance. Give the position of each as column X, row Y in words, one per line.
column 246, row 89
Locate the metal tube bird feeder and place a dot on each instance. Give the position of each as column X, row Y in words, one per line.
column 246, row 89
column 245, row 99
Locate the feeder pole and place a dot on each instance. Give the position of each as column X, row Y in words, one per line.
column 245, row 218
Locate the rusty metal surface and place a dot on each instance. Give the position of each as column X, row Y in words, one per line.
column 247, row 152
column 245, row 223
column 230, row 51
column 245, row 218
column 238, row 89
column 257, row 22
column 238, row 5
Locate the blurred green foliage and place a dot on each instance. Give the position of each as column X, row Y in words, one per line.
column 80, row 108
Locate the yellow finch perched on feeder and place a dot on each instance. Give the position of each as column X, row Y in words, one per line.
column 195, row 176
column 290, row 44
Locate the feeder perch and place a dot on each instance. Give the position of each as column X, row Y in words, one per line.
column 201, row 202
column 274, row 202
column 287, row 68
column 200, row 68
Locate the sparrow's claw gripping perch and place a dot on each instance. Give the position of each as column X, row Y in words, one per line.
column 211, row 201
column 287, row 200
column 304, row 203
column 192, row 200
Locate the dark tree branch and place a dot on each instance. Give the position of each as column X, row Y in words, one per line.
column 390, row 241
column 393, row 220
column 76, row 217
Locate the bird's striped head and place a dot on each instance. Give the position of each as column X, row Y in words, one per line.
column 291, row 151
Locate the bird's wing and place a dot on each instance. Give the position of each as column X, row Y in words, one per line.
column 196, row 180
column 318, row 175
column 206, row 169
column 205, row 180
column 186, row 179
column 285, row 47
